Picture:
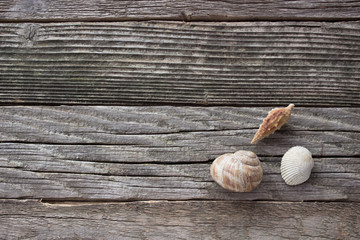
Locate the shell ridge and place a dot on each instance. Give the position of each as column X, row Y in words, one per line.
column 296, row 165
column 240, row 171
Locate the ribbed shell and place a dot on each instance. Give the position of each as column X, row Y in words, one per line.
column 239, row 172
column 296, row 165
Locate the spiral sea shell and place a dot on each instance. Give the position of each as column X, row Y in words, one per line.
column 239, row 172
column 275, row 119
column 296, row 165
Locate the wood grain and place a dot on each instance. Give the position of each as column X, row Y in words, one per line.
column 195, row 10
column 179, row 220
column 147, row 153
column 142, row 172
column 36, row 175
column 327, row 131
column 173, row 63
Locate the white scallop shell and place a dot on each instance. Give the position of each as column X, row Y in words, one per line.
column 296, row 165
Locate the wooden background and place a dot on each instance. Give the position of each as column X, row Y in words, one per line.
column 111, row 113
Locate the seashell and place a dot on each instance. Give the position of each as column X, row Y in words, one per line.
column 296, row 165
column 239, row 172
column 275, row 119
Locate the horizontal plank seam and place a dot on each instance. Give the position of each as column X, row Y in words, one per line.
column 171, row 104
column 183, row 19
column 48, row 201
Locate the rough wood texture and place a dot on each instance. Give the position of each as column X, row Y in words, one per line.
column 31, row 174
column 243, row 64
column 188, row 10
column 82, row 170
column 327, row 131
column 179, row 220
column 146, row 153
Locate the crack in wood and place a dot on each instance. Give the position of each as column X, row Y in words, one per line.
column 80, row 202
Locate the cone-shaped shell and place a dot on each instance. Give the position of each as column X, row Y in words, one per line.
column 274, row 121
column 239, row 172
column 296, row 165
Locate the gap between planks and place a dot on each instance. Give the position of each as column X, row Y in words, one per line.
column 84, row 202
column 181, row 19
column 188, row 10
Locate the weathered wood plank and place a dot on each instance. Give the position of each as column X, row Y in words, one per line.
column 243, row 64
column 48, row 175
column 145, row 153
column 195, row 10
column 179, row 220
column 202, row 133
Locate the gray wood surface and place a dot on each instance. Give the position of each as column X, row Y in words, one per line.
column 139, row 169
column 167, row 63
column 51, row 178
column 187, row 10
column 327, row 131
column 146, row 153
column 179, row 220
